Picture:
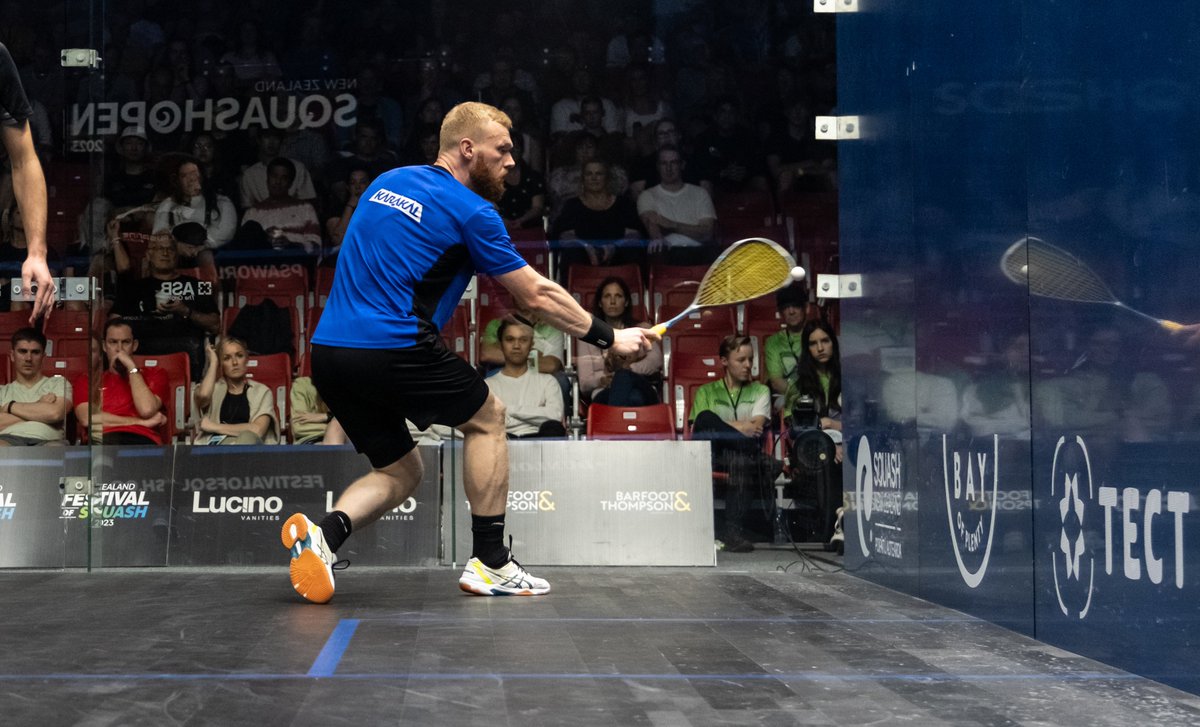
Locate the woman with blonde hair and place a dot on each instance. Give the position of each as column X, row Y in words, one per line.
column 234, row 408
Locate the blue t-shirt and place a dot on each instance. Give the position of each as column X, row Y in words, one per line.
column 413, row 244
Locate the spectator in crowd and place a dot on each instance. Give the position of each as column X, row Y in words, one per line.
column 635, row 45
column 644, row 170
column 566, row 114
column 370, row 151
column 130, row 182
column 526, row 139
column 781, row 351
column 186, row 84
column 524, row 200
column 214, row 165
column 250, row 60
column 357, row 179
column 616, row 380
column 609, row 144
column 501, row 83
column 817, row 403
column 795, row 159
column 384, row 113
column 434, row 95
column 423, row 146
column 307, row 145
column 33, row 407
column 234, row 409
column 1105, row 397
column 311, row 419
column 598, row 227
column 532, row 400
column 254, row 178
column 679, row 218
column 998, row 401
column 170, row 311
column 280, row 220
column 566, row 169
column 644, row 108
column 192, row 199
column 729, row 153
column 548, row 341
column 733, row 413
column 125, row 405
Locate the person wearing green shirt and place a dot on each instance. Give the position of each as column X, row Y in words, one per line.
column 781, row 350
column 732, row 414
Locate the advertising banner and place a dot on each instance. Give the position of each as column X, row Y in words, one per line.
column 597, row 503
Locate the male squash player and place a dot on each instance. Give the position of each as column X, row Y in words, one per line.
column 378, row 358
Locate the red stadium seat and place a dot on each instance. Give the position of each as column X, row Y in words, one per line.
column 667, row 277
column 68, row 368
column 69, row 346
column 630, row 422
column 290, row 291
column 68, row 324
column 12, row 321
column 533, row 246
column 299, row 342
column 321, row 288
column 720, row 320
column 178, row 406
column 275, row 371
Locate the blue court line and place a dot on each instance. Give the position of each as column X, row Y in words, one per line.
column 327, row 661
column 578, row 676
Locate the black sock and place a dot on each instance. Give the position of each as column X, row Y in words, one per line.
column 336, row 527
column 488, row 547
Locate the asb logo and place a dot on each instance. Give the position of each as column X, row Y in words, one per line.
column 1071, row 493
column 970, row 510
column 878, row 501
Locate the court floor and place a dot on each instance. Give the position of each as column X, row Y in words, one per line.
column 741, row 644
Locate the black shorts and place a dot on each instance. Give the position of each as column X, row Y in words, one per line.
column 372, row 391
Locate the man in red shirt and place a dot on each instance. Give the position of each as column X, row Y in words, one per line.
column 129, row 406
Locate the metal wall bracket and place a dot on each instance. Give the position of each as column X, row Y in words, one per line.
column 838, row 128
column 839, row 286
column 75, row 485
column 79, row 58
column 67, row 289
column 835, row 6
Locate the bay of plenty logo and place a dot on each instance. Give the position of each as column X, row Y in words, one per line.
column 1071, row 491
column 112, row 501
column 647, row 501
column 878, row 501
column 970, row 511
column 8, row 504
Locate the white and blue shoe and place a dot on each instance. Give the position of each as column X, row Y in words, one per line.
column 510, row 579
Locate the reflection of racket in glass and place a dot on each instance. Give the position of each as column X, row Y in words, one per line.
column 1051, row 272
column 746, row 270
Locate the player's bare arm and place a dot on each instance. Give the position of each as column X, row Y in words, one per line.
column 555, row 306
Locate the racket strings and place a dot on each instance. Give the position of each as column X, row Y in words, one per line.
column 1052, row 273
column 750, row 270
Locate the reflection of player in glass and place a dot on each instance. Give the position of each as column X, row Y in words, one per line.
column 412, row 246
column 29, row 185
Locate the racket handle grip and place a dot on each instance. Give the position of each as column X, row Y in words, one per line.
column 1170, row 325
column 659, row 329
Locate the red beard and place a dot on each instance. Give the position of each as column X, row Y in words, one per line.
column 482, row 183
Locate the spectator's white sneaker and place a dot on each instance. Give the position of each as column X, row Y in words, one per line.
column 510, row 579
column 312, row 560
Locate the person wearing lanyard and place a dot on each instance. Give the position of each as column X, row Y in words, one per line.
column 782, row 350
column 733, row 413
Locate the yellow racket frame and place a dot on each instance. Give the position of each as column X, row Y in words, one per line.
column 748, row 269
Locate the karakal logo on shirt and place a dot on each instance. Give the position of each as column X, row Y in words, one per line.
column 410, row 207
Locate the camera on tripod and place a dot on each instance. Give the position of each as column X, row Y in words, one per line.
column 805, row 415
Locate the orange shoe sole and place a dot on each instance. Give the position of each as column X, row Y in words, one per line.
column 310, row 577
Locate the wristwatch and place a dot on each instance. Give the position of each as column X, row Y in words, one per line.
column 133, row 371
